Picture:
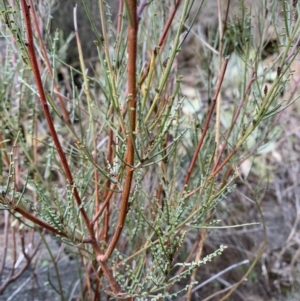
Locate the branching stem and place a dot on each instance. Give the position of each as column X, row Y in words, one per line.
column 131, row 71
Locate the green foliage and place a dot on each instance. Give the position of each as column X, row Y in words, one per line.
column 171, row 197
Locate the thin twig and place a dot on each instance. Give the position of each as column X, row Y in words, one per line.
column 5, row 240
column 237, row 113
column 104, row 204
column 162, row 39
column 207, row 122
column 197, row 258
column 214, row 277
column 293, row 51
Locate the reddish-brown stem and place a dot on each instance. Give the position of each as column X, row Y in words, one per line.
column 141, row 8
column 34, row 65
column 35, row 220
column 22, row 243
column 14, row 207
column 168, row 24
column 4, row 241
column 207, row 121
column 38, row 221
column 104, row 204
column 96, row 179
column 89, row 270
column 131, row 70
column 201, row 241
column 17, row 173
column 97, row 290
column 162, row 37
column 293, row 51
column 46, row 60
column 217, row 169
column 225, row 20
column 106, row 216
column 106, row 220
column 2, row 147
column 160, row 194
column 121, row 5
column 235, row 118
column 36, row 72
column 13, row 276
column 108, row 182
column 13, row 232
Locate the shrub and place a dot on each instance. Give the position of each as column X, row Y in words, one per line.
column 110, row 164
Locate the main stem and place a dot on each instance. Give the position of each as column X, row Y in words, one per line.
column 30, row 44
column 131, row 105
